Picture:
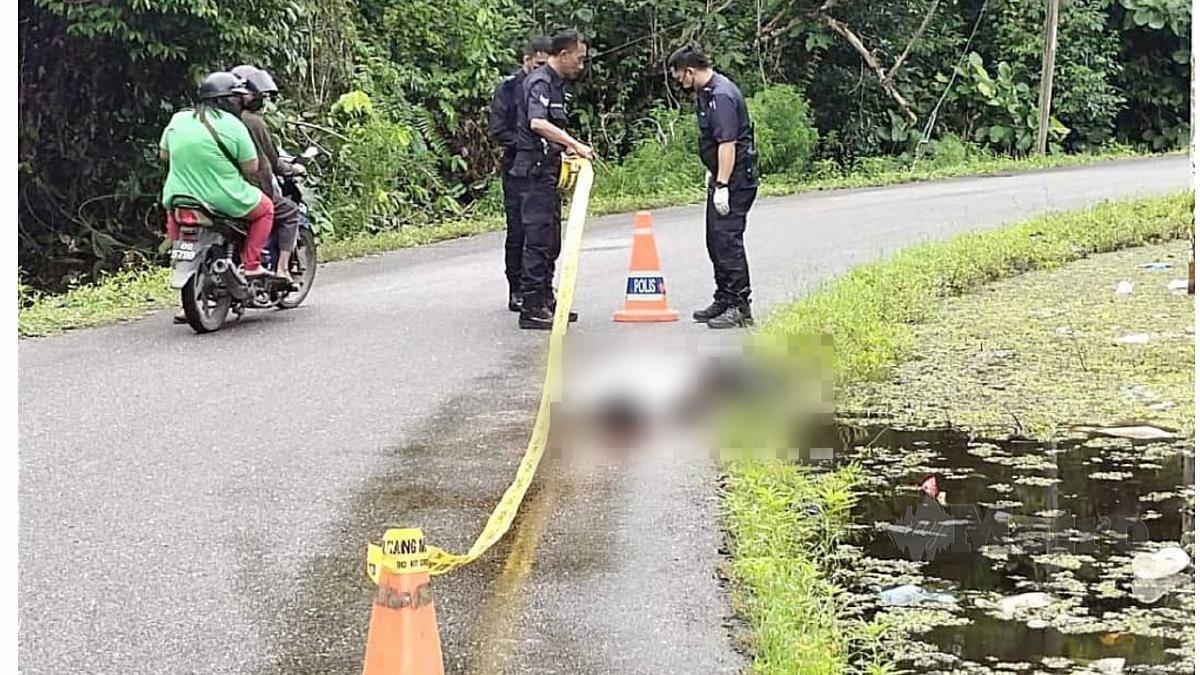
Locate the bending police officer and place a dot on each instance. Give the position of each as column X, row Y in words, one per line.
column 728, row 152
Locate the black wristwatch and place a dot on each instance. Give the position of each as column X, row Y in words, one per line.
column 718, row 184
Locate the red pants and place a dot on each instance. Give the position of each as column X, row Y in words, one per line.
column 260, row 220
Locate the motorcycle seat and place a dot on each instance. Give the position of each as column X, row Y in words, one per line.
column 188, row 210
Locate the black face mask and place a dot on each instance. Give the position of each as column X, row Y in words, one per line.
column 683, row 84
column 256, row 104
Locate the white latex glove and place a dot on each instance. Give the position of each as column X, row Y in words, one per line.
column 721, row 200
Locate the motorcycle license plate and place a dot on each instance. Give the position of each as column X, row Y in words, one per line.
column 183, row 250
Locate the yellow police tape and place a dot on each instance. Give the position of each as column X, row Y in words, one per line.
column 576, row 173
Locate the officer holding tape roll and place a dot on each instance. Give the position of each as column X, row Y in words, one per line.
column 728, row 152
column 541, row 140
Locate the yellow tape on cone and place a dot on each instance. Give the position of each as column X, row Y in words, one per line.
column 577, row 171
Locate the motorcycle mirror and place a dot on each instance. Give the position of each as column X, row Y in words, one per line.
column 310, row 152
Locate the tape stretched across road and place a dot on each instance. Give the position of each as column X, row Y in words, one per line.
column 578, row 172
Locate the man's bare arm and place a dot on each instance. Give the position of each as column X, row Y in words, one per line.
column 726, row 155
column 553, row 134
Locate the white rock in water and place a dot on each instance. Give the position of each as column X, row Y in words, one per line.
column 1140, row 432
column 908, row 595
column 1014, row 603
column 1160, row 564
column 1108, row 666
column 1037, row 624
column 1150, row 591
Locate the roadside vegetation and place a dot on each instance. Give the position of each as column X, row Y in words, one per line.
column 395, row 94
column 783, row 519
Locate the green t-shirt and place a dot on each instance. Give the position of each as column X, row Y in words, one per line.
column 199, row 169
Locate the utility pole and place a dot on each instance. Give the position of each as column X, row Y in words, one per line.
column 1193, row 150
column 1049, row 43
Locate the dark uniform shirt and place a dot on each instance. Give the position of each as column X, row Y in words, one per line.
column 506, row 105
column 269, row 162
column 721, row 112
column 544, row 97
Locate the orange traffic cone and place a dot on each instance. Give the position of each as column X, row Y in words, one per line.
column 403, row 637
column 645, row 290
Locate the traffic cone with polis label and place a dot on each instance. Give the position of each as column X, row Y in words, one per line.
column 403, row 636
column 645, row 289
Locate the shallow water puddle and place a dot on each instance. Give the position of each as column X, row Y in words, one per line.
column 1024, row 563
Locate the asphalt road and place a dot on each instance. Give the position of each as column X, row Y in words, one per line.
column 199, row 504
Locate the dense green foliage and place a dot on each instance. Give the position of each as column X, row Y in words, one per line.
column 396, row 94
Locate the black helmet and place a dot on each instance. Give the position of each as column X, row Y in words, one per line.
column 220, row 85
column 258, row 79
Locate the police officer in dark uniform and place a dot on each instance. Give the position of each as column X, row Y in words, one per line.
column 728, row 152
column 506, row 103
column 541, row 140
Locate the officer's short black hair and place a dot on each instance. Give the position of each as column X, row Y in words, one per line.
column 540, row 43
column 565, row 40
column 688, row 56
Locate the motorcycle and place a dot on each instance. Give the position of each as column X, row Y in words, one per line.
column 205, row 259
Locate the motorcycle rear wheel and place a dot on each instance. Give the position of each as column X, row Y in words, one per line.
column 205, row 310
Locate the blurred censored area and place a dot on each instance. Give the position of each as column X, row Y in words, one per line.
column 701, row 397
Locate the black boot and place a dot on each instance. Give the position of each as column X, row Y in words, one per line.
column 711, row 312
column 733, row 317
column 571, row 318
column 535, row 314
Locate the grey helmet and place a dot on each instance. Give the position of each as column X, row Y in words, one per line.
column 258, row 79
column 220, row 85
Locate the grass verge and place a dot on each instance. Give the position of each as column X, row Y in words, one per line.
column 130, row 294
column 781, row 569
column 123, row 295
column 875, row 172
column 371, row 244
column 1038, row 354
column 783, row 524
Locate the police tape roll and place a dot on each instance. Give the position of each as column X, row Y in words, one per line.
column 568, row 172
column 442, row 561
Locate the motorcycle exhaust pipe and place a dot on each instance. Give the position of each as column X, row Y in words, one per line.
column 238, row 287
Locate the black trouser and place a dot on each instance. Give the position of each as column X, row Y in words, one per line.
column 725, row 248
column 514, row 238
column 541, row 222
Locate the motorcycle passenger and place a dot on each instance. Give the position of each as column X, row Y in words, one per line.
column 287, row 215
column 210, row 156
